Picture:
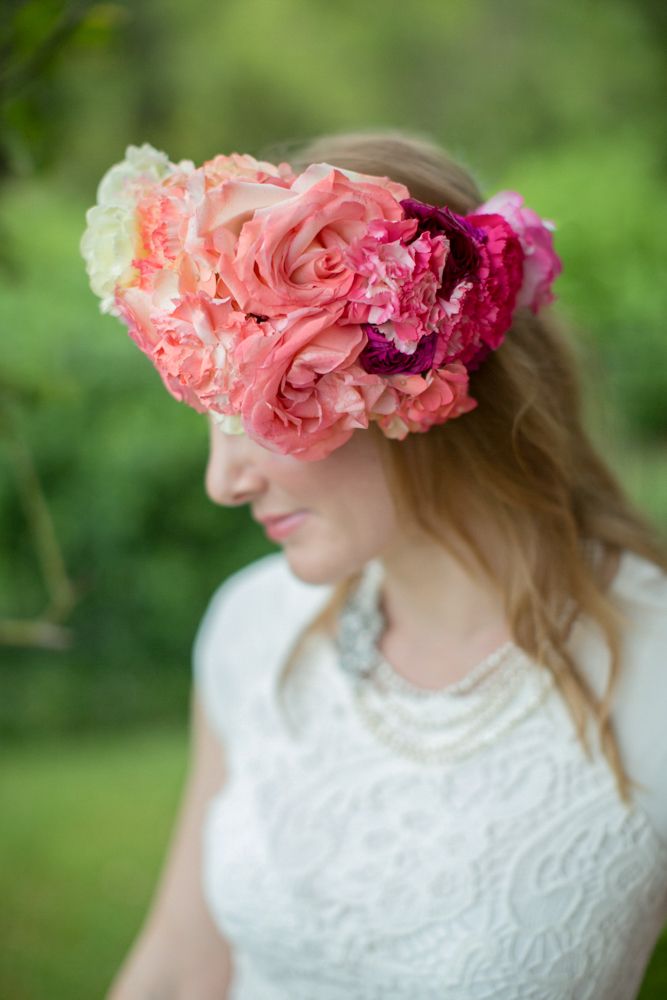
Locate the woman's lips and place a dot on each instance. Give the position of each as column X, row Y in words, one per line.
column 280, row 527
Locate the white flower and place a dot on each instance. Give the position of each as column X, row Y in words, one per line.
column 108, row 247
column 142, row 165
column 109, row 243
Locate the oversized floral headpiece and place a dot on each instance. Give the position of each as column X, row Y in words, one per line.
column 300, row 307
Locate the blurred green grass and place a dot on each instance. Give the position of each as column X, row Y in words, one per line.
column 86, row 825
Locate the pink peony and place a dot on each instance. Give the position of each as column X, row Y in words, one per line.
column 542, row 265
column 162, row 223
column 191, row 346
column 134, row 308
column 219, row 213
column 242, row 166
column 292, row 255
column 424, row 401
column 196, row 348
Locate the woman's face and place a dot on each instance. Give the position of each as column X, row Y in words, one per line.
column 348, row 512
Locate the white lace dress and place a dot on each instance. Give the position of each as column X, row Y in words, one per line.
column 340, row 869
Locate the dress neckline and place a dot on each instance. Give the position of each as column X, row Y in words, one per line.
column 361, row 626
column 474, row 678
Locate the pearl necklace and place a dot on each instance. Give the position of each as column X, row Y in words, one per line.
column 437, row 726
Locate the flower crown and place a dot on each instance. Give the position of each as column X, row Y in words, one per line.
column 300, row 307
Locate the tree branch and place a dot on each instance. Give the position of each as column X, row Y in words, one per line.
column 46, row 630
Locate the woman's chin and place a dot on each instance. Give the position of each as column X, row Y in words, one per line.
column 311, row 566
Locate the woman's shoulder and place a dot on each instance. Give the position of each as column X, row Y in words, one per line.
column 640, row 590
column 263, row 592
column 641, row 584
column 249, row 623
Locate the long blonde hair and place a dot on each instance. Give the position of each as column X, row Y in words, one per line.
column 521, row 462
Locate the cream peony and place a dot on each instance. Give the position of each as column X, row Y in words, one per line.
column 111, row 239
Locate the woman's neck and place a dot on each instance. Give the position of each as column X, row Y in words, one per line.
column 430, row 598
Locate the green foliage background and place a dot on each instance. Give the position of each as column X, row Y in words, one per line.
column 564, row 102
column 558, row 101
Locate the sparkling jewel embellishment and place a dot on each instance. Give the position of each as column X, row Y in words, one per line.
column 436, row 726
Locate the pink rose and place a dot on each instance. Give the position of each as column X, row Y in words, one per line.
column 293, row 254
column 300, row 390
column 542, row 264
column 184, row 225
column 220, row 212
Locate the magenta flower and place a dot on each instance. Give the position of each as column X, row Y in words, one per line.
column 481, row 278
column 464, row 239
column 490, row 302
column 381, row 357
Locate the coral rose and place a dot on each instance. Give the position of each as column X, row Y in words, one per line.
column 292, row 254
column 242, row 166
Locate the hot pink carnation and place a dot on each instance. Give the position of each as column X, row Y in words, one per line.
column 484, row 313
column 292, row 254
column 542, row 264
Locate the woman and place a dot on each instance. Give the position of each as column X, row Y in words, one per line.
column 428, row 751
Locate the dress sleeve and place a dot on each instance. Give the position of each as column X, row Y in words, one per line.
column 220, row 656
column 639, row 708
column 640, row 714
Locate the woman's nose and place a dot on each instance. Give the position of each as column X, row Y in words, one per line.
column 232, row 477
